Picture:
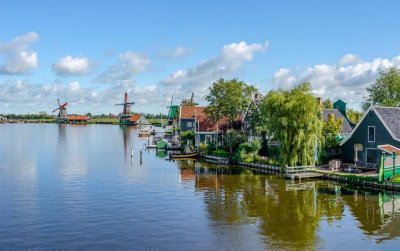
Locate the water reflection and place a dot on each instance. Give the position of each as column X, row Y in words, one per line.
column 288, row 214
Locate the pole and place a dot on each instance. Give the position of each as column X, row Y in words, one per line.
column 394, row 163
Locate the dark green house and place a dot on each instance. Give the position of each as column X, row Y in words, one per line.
column 379, row 126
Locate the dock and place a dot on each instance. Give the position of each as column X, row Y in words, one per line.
column 302, row 172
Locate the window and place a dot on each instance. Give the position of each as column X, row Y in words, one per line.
column 189, row 124
column 371, row 133
column 209, row 139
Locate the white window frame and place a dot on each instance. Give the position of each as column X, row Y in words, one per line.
column 374, row 133
column 208, row 139
column 366, row 155
column 189, row 124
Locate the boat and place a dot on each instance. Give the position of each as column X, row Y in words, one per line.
column 184, row 155
column 146, row 132
column 162, row 145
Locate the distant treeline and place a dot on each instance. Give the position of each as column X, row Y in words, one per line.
column 44, row 115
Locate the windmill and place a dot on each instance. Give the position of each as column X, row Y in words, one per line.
column 126, row 110
column 62, row 112
column 173, row 111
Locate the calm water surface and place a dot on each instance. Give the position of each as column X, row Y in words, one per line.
column 77, row 187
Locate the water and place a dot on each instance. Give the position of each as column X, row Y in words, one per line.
column 77, row 187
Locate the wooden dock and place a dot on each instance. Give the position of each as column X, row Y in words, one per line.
column 302, row 172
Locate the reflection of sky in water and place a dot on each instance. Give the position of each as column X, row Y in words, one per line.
column 76, row 186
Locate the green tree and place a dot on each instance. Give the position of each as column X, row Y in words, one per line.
column 233, row 138
column 385, row 91
column 188, row 135
column 327, row 104
column 354, row 116
column 228, row 98
column 331, row 129
column 294, row 120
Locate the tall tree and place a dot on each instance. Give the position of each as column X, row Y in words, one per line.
column 295, row 121
column 385, row 91
column 228, row 98
column 327, row 104
column 332, row 127
column 354, row 116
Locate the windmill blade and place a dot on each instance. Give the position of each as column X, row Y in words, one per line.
column 58, row 101
column 129, row 103
column 55, row 109
column 172, row 99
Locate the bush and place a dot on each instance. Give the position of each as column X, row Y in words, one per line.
column 221, row 153
column 188, row 135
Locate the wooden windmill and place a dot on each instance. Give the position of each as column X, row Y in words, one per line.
column 62, row 112
column 126, row 110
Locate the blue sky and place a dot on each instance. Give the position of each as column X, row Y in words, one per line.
column 89, row 52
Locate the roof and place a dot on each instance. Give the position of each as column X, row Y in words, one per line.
column 78, row 117
column 346, row 126
column 391, row 118
column 389, row 149
column 135, row 117
column 189, row 112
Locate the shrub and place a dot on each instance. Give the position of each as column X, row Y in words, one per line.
column 221, row 153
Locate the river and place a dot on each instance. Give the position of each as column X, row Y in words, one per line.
column 77, row 187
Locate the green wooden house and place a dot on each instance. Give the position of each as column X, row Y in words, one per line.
column 379, row 126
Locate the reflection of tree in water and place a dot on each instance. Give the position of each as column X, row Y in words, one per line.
column 288, row 214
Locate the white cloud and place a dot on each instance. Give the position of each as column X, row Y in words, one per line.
column 349, row 59
column 69, row 66
column 128, row 64
column 16, row 56
column 25, row 97
column 197, row 79
column 177, row 53
column 347, row 82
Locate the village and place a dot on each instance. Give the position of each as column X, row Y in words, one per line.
column 292, row 132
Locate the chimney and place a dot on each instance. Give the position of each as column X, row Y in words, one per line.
column 319, row 101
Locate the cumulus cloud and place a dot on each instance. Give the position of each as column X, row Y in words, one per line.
column 197, row 79
column 15, row 56
column 347, row 80
column 127, row 65
column 69, row 66
column 17, row 96
column 177, row 53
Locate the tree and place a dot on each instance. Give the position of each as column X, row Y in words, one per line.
column 354, row 116
column 228, row 98
column 327, row 104
column 294, row 120
column 331, row 129
column 233, row 138
column 385, row 91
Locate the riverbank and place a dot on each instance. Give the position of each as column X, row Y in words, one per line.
column 368, row 181
column 111, row 121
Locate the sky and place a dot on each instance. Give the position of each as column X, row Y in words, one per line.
column 88, row 53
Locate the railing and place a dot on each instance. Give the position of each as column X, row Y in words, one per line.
column 289, row 170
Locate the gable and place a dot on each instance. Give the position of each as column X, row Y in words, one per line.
column 371, row 118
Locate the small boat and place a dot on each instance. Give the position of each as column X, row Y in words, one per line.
column 162, row 145
column 145, row 132
column 184, row 155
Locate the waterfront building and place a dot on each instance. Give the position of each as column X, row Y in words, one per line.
column 379, row 126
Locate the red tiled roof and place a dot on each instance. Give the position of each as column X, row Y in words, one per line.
column 135, row 117
column 78, row 117
column 389, row 149
column 189, row 112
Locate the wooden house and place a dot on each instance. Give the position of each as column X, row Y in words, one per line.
column 379, row 126
column 339, row 112
column 188, row 117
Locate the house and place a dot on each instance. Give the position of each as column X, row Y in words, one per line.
column 379, row 126
column 78, row 118
column 339, row 112
column 251, row 110
column 188, row 117
column 137, row 119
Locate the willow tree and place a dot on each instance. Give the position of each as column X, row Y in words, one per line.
column 294, row 119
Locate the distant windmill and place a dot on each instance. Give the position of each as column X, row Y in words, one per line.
column 62, row 112
column 126, row 110
column 173, row 112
